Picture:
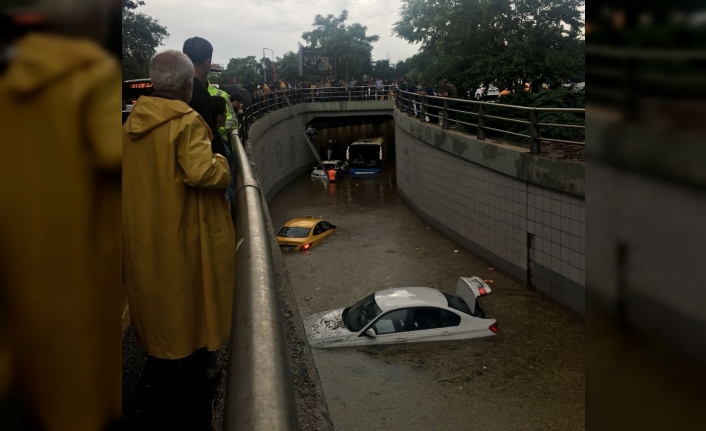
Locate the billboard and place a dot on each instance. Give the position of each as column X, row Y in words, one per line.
column 313, row 63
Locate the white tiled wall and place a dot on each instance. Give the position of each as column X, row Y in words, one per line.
column 279, row 152
column 496, row 212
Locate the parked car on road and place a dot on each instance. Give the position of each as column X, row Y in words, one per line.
column 405, row 315
column 304, row 233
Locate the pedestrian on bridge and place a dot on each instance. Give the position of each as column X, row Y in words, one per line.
column 178, row 246
column 449, row 90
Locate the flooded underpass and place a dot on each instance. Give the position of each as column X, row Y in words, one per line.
column 528, row 377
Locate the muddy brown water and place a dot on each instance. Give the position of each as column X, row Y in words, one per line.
column 528, row 377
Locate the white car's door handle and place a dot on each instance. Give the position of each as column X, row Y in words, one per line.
column 399, row 339
column 447, row 333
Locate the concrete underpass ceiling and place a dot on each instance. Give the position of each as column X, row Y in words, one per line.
column 333, row 122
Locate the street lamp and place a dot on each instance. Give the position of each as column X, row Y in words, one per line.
column 273, row 61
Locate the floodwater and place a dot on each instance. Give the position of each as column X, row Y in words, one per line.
column 528, row 377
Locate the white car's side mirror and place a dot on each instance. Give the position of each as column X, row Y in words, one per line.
column 371, row 333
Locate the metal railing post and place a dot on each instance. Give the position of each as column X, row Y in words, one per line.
column 445, row 122
column 630, row 105
column 259, row 388
column 423, row 110
column 480, row 133
column 534, row 133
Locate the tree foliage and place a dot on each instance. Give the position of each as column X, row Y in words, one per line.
column 141, row 37
column 288, row 66
column 245, row 70
column 349, row 44
column 384, row 70
column 503, row 41
column 132, row 4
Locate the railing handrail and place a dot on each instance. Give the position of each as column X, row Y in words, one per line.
column 259, row 388
column 646, row 53
column 413, row 98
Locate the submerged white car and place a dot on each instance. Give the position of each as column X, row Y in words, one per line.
column 405, row 315
column 328, row 165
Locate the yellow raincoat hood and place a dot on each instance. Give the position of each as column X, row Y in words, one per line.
column 151, row 112
column 43, row 59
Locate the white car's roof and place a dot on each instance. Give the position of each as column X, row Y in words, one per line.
column 391, row 299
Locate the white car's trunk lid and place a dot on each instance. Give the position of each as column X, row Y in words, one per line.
column 470, row 288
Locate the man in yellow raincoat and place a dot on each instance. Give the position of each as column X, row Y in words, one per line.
column 178, row 239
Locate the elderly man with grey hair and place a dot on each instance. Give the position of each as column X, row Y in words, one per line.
column 178, row 245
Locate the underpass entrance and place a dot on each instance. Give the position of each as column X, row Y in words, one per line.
column 346, row 130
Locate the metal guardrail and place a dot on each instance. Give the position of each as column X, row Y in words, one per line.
column 265, row 103
column 627, row 77
column 418, row 104
column 259, row 388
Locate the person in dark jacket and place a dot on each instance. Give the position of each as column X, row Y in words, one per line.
column 232, row 89
column 449, row 90
column 237, row 102
column 200, row 52
column 329, row 148
column 220, row 146
column 432, row 110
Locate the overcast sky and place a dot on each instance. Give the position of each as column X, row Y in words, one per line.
column 242, row 28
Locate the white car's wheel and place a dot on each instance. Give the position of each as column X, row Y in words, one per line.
column 477, row 96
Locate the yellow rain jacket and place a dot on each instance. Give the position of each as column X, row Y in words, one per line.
column 60, row 232
column 178, row 236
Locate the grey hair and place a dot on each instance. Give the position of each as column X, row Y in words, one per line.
column 169, row 70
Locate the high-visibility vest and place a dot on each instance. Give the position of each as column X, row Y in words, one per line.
column 231, row 120
column 332, row 175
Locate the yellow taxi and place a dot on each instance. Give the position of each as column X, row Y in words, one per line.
column 304, row 233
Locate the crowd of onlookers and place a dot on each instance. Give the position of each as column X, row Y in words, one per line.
column 324, row 91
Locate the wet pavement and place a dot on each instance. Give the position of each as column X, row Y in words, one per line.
column 528, row 377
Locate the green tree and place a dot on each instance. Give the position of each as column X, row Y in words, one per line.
column 349, row 45
column 132, row 4
column 141, row 37
column 502, row 41
column 402, row 68
column 245, row 70
column 384, row 70
column 288, row 66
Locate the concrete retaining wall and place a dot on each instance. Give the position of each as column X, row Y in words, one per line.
column 524, row 214
column 647, row 228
